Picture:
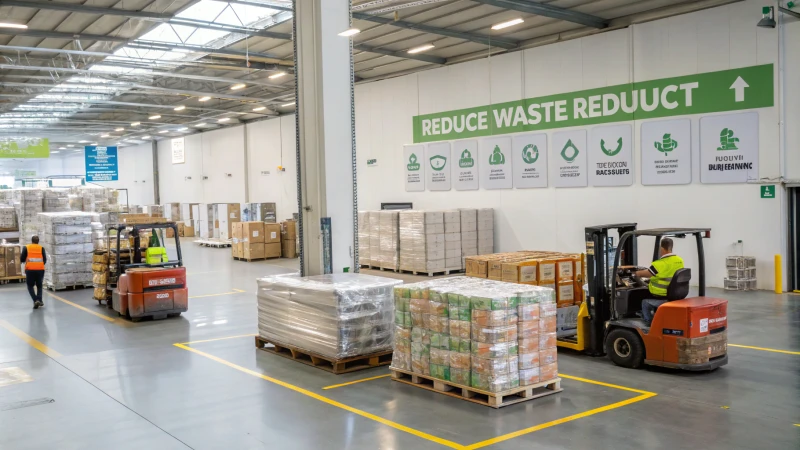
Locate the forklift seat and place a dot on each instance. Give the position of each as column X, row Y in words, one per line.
column 678, row 288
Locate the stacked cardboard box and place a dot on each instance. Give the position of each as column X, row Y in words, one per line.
column 173, row 212
column 364, row 255
column 485, row 231
column 55, row 200
column 469, row 234
column 452, row 240
column 488, row 335
column 337, row 315
column 375, row 238
column 67, row 239
column 422, row 241
column 255, row 240
column 10, row 265
column 28, row 204
column 259, row 212
column 389, row 255
column 289, row 239
column 8, row 218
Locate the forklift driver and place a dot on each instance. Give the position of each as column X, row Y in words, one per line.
column 660, row 273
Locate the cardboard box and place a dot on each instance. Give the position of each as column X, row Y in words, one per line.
column 272, row 250
column 237, row 249
column 188, row 231
column 289, row 230
column 11, row 263
column 289, row 248
column 565, row 269
column 272, row 233
column 253, row 250
column 236, row 231
column 547, row 271
column 565, row 293
column 252, row 232
column 523, row 272
column 226, row 214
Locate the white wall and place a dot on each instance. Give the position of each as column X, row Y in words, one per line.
column 215, row 154
column 792, row 95
column 554, row 219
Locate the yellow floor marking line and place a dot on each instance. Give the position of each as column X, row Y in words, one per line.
column 323, row 399
column 600, row 383
column 235, row 291
column 764, row 349
column 354, row 382
column 102, row 316
column 30, row 340
column 553, row 423
column 219, row 339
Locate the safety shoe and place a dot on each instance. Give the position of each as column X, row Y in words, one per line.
column 37, row 304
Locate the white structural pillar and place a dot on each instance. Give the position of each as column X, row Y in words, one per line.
column 325, row 133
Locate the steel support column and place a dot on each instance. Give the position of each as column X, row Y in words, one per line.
column 326, row 149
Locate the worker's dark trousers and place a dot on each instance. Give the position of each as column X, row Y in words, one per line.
column 649, row 307
column 35, row 277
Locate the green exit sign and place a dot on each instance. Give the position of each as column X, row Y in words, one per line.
column 768, row 191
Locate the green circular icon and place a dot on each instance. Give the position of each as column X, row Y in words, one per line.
column 530, row 153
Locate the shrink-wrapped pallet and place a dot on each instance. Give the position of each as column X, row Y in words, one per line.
column 28, row 204
column 8, row 218
column 67, row 239
column 388, row 257
column 336, row 316
column 364, row 254
column 55, row 200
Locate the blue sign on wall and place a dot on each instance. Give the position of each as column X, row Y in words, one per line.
column 101, row 163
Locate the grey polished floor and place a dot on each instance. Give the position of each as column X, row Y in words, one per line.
column 108, row 383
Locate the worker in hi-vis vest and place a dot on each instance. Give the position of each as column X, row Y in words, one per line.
column 155, row 253
column 34, row 258
column 660, row 272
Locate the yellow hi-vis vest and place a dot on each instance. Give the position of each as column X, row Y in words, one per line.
column 664, row 269
column 155, row 255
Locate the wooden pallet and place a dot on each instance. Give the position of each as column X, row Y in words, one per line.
column 14, row 279
column 326, row 363
column 214, row 243
column 481, row 397
column 67, row 287
column 254, row 259
column 435, row 272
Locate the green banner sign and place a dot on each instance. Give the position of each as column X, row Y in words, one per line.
column 727, row 90
column 24, row 148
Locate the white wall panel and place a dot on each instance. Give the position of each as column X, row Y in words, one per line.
column 181, row 183
column 223, row 164
column 271, row 143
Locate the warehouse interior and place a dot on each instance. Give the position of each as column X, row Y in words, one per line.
column 401, row 224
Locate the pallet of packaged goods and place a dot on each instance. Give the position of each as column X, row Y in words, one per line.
column 338, row 322
column 67, row 239
column 10, row 265
column 255, row 241
column 389, row 238
column 484, row 341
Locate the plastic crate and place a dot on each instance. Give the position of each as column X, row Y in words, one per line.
column 741, row 274
column 740, row 262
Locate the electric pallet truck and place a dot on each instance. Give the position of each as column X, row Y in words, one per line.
column 686, row 333
column 156, row 290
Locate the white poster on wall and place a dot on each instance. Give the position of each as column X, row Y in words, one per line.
column 465, row 169
column 568, row 164
column 178, row 151
column 611, row 155
column 667, row 152
column 437, row 156
column 729, row 148
column 529, row 152
column 495, row 163
column 413, row 156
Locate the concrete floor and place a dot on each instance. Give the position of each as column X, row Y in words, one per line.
column 108, row 383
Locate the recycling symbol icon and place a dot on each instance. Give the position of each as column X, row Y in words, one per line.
column 569, row 152
column 530, row 153
column 466, row 159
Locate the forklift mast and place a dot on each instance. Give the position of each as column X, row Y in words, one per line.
column 598, row 248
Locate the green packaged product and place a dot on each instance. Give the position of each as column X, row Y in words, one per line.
column 400, row 318
column 440, row 340
column 438, row 308
column 493, row 303
column 459, row 313
column 402, row 345
column 401, row 292
column 420, row 349
column 459, row 344
column 407, row 322
column 420, row 335
column 440, row 372
column 453, row 298
column 460, row 376
column 401, row 304
column 417, row 321
column 464, row 301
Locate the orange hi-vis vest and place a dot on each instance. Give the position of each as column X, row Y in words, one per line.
column 35, row 259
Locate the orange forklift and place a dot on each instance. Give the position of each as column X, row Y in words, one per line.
column 686, row 333
column 156, row 290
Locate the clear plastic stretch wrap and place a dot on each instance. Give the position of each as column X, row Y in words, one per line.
column 56, row 200
column 6, row 197
column 67, row 239
column 337, row 315
column 486, row 334
column 388, row 257
column 422, row 241
column 364, row 254
column 8, row 217
column 374, row 238
column 28, row 203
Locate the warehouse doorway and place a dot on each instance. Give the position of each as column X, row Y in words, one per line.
column 793, row 196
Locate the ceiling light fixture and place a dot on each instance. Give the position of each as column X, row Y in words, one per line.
column 70, row 145
column 421, row 48
column 54, row 151
column 350, row 32
column 182, row 129
column 510, row 23
column 62, row 148
column 156, row 117
column 119, row 129
column 103, row 135
column 260, row 108
column 83, row 142
column 145, row 137
column 277, row 75
column 238, row 86
column 205, row 99
column 224, row 119
column 179, row 108
column 201, row 124
column 288, row 104
column 164, row 131
column 12, row 25
column 136, row 124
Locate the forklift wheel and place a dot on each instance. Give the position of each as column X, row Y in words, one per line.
column 625, row 348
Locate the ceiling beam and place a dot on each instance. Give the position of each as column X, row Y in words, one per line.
column 401, row 54
column 473, row 37
column 554, row 12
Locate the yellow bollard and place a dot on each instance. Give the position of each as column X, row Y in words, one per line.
column 778, row 275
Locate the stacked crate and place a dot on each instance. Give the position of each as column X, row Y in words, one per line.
column 469, row 234
column 452, row 240
column 488, row 335
column 55, row 200
column 412, row 241
column 389, row 240
column 375, row 238
column 741, row 271
column 485, row 231
column 67, row 239
column 28, row 204
column 8, row 218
